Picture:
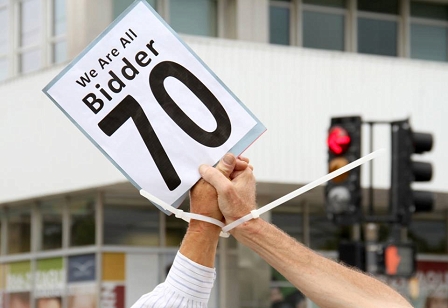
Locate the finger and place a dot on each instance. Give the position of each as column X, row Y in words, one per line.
column 227, row 164
column 240, row 165
column 214, row 177
column 243, row 158
column 238, row 173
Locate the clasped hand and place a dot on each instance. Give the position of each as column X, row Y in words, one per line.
column 225, row 192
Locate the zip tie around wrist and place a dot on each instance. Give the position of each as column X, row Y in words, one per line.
column 256, row 213
column 181, row 214
column 252, row 215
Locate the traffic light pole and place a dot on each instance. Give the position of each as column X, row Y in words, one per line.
column 371, row 217
column 343, row 195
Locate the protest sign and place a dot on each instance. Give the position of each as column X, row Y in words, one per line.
column 151, row 105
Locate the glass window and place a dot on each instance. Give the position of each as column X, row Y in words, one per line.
column 59, row 52
column 30, row 35
column 19, row 229
column 121, row 5
column 331, row 3
column 30, row 22
column 59, row 44
column 30, row 61
column 59, row 17
column 82, row 221
column 279, row 20
column 377, row 37
column 429, row 42
column 51, row 214
column 130, row 221
column 198, row 17
column 429, row 10
column 4, row 41
column 323, row 30
column 379, row 6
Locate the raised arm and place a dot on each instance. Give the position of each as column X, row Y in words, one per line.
column 190, row 280
column 327, row 283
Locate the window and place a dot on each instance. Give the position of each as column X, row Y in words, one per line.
column 121, row 5
column 429, row 25
column 33, row 35
column 30, row 35
column 130, row 222
column 279, row 22
column 377, row 37
column 324, row 24
column 197, row 17
column 51, row 215
column 58, row 41
column 4, row 40
column 82, row 221
column 378, row 27
column 19, row 229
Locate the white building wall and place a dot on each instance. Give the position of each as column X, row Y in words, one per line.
column 293, row 91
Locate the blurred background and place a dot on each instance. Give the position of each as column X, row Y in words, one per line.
column 75, row 233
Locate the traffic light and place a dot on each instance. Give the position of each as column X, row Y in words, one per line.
column 397, row 259
column 343, row 193
column 404, row 201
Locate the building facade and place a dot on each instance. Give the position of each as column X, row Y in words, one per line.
column 74, row 232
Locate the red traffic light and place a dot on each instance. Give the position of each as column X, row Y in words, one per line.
column 338, row 140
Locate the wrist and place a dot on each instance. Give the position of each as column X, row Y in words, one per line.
column 206, row 228
column 200, row 242
column 249, row 228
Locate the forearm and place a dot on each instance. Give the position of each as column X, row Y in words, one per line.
column 324, row 281
column 200, row 243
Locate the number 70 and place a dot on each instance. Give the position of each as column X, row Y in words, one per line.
column 129, row 108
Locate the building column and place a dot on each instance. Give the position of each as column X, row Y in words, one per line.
column 252, row 20
column 86, row 19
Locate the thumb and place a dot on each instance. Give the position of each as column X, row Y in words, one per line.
column 227, row 164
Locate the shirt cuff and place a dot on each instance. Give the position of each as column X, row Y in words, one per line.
column 191, row 279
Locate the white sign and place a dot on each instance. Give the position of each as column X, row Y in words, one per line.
column 151, row 105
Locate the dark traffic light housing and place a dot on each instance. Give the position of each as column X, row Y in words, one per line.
column 343, row 193
column 404, row 201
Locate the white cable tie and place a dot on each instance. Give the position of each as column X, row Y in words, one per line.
column 255, row 214
column 178, row 213
column 304, row 189
column 239, row 221
column 207, row 219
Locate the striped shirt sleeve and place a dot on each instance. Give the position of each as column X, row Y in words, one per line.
column 188, row 285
